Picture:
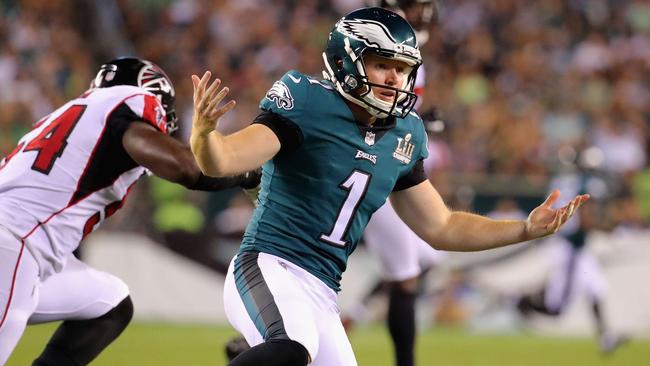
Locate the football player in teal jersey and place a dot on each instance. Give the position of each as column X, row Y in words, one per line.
column 331, row 152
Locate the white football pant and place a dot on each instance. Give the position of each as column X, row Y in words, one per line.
column 269, row 297
column 78, row 292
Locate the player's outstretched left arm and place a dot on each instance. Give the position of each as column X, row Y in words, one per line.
column 424, row 211
column 172, row 160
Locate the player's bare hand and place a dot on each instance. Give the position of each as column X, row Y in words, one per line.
column 207, row 104
column 545, row 220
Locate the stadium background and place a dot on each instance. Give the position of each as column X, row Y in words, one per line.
column 524, row 88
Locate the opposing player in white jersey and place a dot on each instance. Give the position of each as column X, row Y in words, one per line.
column 65, row 177
column 387, row 235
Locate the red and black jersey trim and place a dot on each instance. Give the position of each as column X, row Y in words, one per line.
column 109, row 159
column 153, row 113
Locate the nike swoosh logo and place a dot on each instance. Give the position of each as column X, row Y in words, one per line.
column 295, row 80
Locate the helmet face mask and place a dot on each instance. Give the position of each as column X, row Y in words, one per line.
column 372, row 31
column 143, row 74
column 403, row 101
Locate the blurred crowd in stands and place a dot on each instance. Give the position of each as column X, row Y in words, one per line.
column 525, row 88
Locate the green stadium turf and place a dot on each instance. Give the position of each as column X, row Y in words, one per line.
column 145, row 344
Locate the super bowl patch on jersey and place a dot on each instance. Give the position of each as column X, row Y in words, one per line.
column 404, row 150
column 280, row 94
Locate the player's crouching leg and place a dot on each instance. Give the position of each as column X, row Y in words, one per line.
column 263, row 287
column 77, row 342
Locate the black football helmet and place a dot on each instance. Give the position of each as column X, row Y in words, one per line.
column 143, row 74
column 378, row 31
column 419, row 13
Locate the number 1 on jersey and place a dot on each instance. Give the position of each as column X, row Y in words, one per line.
column 356, row 184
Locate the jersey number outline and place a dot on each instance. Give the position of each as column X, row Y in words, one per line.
column 51, row 142
column 357, row 185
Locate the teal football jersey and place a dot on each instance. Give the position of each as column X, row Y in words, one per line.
column 315, row 201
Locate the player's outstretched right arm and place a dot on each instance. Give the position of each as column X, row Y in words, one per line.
column 218, row 155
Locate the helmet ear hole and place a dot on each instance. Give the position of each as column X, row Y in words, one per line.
column 339, row 64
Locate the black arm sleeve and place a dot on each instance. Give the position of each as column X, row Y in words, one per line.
column 205, row 183
column 286, row 130
column 247, row 180
column 109, row 159
column 412, row 178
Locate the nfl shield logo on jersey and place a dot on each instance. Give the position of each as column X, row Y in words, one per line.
column 404, row 150
column 370, row 138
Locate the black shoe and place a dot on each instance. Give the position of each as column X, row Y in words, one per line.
column 525, row 308
column 235, row 346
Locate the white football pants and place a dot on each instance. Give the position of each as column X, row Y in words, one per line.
column 77, row 292
column 269, row 297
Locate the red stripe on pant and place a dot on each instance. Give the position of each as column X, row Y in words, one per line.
column 13, row 283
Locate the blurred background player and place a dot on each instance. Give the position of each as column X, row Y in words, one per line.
column 574, row 268
column 402, row 254
column 65, row 177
